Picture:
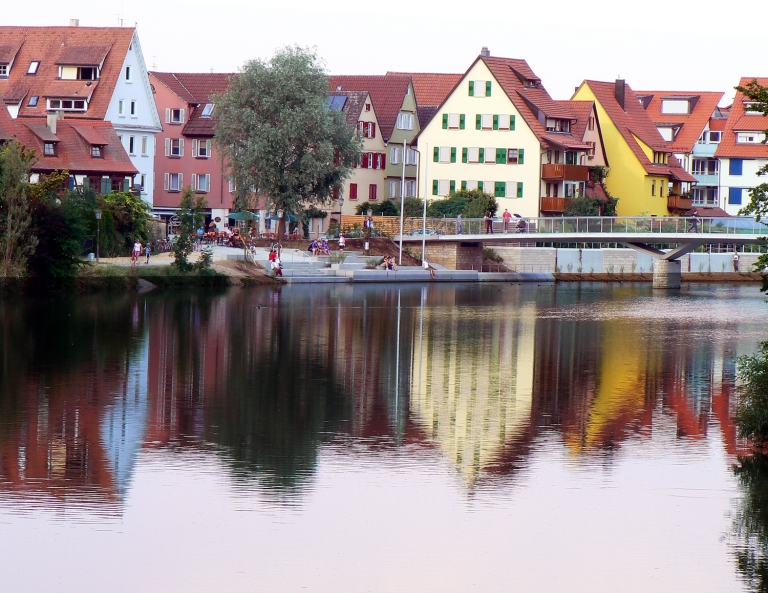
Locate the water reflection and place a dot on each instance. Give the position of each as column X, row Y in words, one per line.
column 749, row 537
column 474, row 376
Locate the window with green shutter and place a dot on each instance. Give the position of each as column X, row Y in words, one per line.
column 519, row 189
column 453, row 186
column 495, row 122
column 106, row 186
column 434, row 187
column 478, row 122
column 471, row 88
column 445, row 121
column 521, row 156
column 453, row 154
column 462, row 121
column 463, row 185
column 482, row 156
column 436, row 153
column 126, row 185
column 500, row 189
column 480, row 185
column 487, row 88
column 501, row 156
column 512, row 122
column 464, row 155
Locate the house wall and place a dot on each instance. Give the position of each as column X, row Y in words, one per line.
column 394, row 171
column 145, row 124
column 627, row 179
column 748, row 179
column 594, row 136
column 434, row 135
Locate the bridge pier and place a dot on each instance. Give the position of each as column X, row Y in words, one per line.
column 455, row 255
column 666, row 273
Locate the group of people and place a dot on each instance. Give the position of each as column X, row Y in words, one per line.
column 388, row 263
column 506, row 219
column 136, row 252
column 274, row 261
column 320, row 247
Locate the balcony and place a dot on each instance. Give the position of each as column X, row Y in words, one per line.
column 677, row 203
column 705, row 179
column 565, row 172
column 553, row 205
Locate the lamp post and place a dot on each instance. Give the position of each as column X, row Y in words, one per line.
column 280, row 231
column 98, row 232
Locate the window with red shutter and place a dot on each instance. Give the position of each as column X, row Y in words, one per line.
column 372, row 192
column 383, row 161
column 364, row 160
column 371, row 130
column 353, row 191
column 361, row 128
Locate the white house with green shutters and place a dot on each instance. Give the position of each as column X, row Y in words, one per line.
column 493, row 132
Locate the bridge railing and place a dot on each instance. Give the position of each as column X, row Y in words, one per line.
column 733, row 225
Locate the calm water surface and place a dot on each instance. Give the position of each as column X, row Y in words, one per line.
column 374, row 438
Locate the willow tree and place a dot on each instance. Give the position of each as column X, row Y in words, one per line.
column 279, row 136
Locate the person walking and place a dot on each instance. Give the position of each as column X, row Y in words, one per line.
column 506, row 217
column 136, row 253
column 148, row 252
column 342, row 243
column 694, row 226
column 278, row 266
column 488, row 223
column 735, row 262
column 459, row 225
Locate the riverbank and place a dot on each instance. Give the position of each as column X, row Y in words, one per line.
column 711, row 277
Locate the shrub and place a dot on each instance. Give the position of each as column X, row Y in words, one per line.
column 752, row 410
column 491, row 254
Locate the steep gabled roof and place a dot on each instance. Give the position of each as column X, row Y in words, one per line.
column 51, row 45
column 581, row 110
column 430, row 88
column 740, row 120
column 197, row 90
column 387, row 96
column 691, row 125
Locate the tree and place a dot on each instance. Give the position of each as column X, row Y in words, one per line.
column 191, row 217
column 413, row 207
column 385, row 208
column 758, row 196
column 17, row 243
column 125, row 221
column 279, row 136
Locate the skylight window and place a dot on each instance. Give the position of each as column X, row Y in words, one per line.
column 207, row 110
column 33, row 101
column 33, row 66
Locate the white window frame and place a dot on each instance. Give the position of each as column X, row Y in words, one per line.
column 168, row 182
column 3, row 69
column 134, row 109
column 504, row 121
column 132, row 145
column 486, row 121
column 473, row 154
column 453, row 121
column 143, row 183
column 121, row 108
column 128, row 78
column 394, row 155
column 510, row 189
column 394, row 189
column 232, row 186
column 445, row 154
column 144, row 146
column 34, row 66
column 719, row 137
column 443, row 187
column 472, row 184
column 405, row 121
column 410, row 188
column 174, row 116
column 492, row 152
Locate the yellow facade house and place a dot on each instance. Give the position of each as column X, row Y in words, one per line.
column 643, row 170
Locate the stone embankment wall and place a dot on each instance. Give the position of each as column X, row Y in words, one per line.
column 613, row 261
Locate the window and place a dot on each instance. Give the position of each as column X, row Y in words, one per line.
column 667, row 133
column 558, row 125
column 367, row 105
column 411, row 156
column 441, row 187
column 132, row 145
column 394, row 155
column 207, row 110
column 487, row 121
column 367, row 129
column 502, row 122
column 405, row 121
column 752, row 108
column 675, row 106
column 87, row 74
column 127, row 74
column 173, row 181
column 133, row 109
column 174, row 116
column 201, row 149
column 734, row 195
column 470, row 155
column 201, row 183
column 750, row 137
column 499, row 189
column 653, row 187
column 510, row 191
column 33, row 66
column 380, row 161
column 174, row 147
column 479, row 88
column 96, row 151
column 410, row 188
column 232, row 186
column 144, row 147
column 444, row 154
column 353, row 191
column 121, row 108
column 704, row 166
column 714, row 137
column 515, row 156
column 705, row 195
column 735, row 167
column 454, row 121
column 660, row 158
column 394, row 189
column 33, row 101
column 49, row 149
column 143, row 183
column 66, row 104
column 372, row 192
column 591, row 151
column 591, row 123
column 3, row 70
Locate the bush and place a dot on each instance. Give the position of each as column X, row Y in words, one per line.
column 371, row 263
column 752, row 410
column 385, row 208
column 470, row 203
column 491, row 254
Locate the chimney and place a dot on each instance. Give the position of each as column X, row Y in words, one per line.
column 485, row 53
column 51, row 119
column 619, row 92
column 74, row 22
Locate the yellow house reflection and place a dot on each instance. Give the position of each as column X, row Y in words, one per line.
column 472, row 380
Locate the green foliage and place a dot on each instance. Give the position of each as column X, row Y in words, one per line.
column 60, row 226
column 124, row 221
column 752, row 410
column 449, row 207
column 17, row 244
column 413, row 207
column 472, row 203
column 191, row 217
column 371, row 263
column 309, row 213
column 758, row 196
column 385, row 208
column 749, row 535
column 279, row 136
column 492, row 255
column 205, row 261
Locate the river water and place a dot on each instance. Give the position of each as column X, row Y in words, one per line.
column 373, row 438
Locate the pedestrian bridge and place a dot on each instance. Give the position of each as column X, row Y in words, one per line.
column 666, row 239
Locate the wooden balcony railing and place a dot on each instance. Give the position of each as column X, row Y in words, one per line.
column 565, row 172
column 554, row 205
column 677, row 203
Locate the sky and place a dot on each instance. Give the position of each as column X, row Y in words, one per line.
column 685, row 45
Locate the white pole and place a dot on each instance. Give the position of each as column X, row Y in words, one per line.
column 426, row 193
column 402, row 206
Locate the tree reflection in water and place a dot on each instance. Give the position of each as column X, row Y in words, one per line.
column 750, row 522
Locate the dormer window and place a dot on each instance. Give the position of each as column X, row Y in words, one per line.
column 752, row 108
column 558, row 125
column 96, row 152
column 660, row 158
column 207, row 110
column 33, row 66
column 3, row 70
column 49, row 149
column 67, row 104
column 78, row 73
column 33, row 101
column 675, row 106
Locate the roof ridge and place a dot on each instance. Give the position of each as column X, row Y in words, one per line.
column 176, row 78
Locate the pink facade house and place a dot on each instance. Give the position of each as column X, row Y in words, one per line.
column 185, row 153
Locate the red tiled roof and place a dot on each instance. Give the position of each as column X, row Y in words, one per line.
column 73, row 144
column 692, row 125
column 582, row 110
column 430, row 88
column 566, row 141
column 8, row 51
column 739, row 120
column 354, row 104
column 387, row 95
column 632, row 121
column 426, row 113
column 46, row 45
column 71, row 89
column 197, row 89
column 83, row 55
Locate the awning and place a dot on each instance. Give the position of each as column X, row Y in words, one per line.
column 567, row 142
column 243, row 216
column 288, row 217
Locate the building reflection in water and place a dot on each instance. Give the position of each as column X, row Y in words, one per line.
column 266, row 378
